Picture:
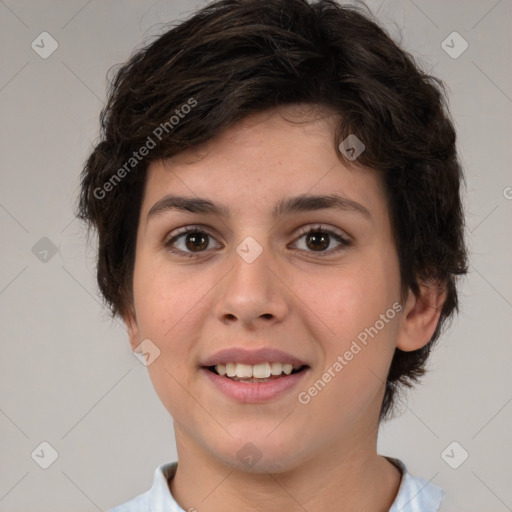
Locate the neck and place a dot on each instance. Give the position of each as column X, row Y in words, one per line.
column 344, row 477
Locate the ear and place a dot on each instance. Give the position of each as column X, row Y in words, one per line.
column 421, row 316
column 132, row 328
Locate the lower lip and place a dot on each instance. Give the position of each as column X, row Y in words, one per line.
column 255, row 392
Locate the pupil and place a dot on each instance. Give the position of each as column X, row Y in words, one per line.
column 316, row 238
column 196, row 241
column 314, row 241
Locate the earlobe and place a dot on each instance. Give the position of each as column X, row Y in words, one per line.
column 132, row 329
column 421, row 316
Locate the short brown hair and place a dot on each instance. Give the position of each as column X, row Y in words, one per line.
column 238, row 57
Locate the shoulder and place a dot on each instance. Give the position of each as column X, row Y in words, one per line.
column 158, row 497
column 415, row 494
column 138, row 504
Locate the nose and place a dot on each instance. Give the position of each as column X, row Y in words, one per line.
column 253, row 292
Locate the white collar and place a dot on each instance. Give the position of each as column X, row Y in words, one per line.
column 414, row 494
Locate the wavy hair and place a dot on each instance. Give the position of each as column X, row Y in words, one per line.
column 238, row 57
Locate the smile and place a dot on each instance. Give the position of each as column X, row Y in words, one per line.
column 255, row 390
column 262, row 372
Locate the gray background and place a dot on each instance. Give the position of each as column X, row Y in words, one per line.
column 67, row 375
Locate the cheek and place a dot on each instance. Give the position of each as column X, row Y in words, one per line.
column 162, row 297
column 347, row 300
column 171, row 385
column 353, row 318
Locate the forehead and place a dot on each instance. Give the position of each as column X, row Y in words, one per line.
column 267, row 156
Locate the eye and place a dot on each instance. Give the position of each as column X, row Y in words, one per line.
column 318, row 239
column 189, row 240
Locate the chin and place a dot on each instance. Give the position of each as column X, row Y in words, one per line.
column 260, row 452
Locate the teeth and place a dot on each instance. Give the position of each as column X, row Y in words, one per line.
column 244, row 371
column 261, row 371
column 276, row 368
column 287, row 368
column 258, row 371
column 231, row 369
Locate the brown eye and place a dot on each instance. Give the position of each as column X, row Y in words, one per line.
column 196, row 241
column 189, row 241
column 318, row 239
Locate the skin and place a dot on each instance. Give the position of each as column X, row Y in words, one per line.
column 296, row 297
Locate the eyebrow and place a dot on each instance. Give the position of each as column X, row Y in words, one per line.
column 286, row 206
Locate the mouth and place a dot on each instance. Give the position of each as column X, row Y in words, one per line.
column 258, row 373
column 254, row 376
column 255, row 384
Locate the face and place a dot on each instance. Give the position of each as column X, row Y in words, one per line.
column 263, row 278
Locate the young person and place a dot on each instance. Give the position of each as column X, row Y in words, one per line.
column 276, row 194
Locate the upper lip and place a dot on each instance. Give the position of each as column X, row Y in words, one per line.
column 252, row 357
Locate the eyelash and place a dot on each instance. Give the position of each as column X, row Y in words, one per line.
column 344, row 242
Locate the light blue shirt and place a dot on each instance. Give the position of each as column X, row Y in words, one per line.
column 414, row 495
